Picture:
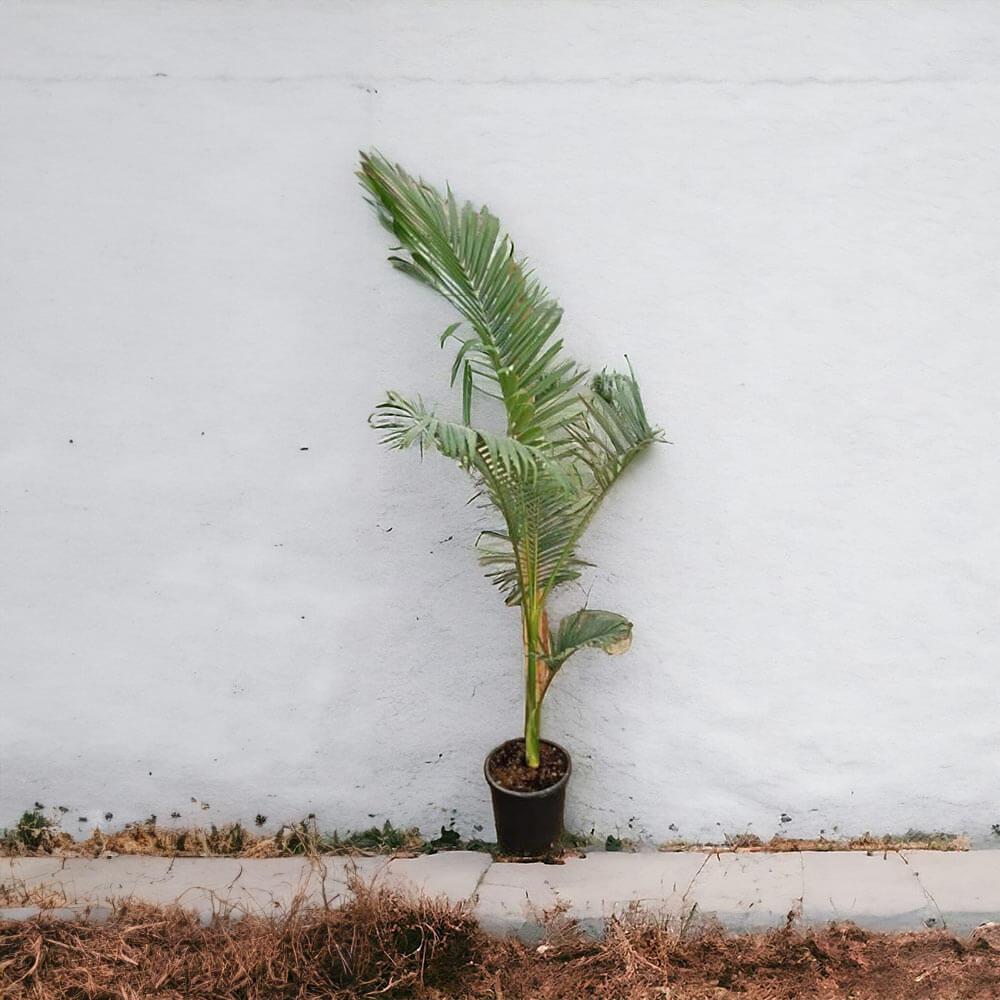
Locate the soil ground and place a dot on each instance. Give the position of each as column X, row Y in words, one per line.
column 381, row 945
column 509, row 766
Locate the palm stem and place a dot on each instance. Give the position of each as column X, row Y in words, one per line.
column 532, row 717
column 537, row 649
column 532, row 705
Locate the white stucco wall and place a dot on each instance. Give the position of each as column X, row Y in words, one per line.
column 785, row 213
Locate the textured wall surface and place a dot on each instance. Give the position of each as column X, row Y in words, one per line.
column 220, row 598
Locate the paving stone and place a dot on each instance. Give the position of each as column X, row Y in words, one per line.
column 100, row 880
column 744, row 891
column 962, row 888
column 211, row 886
column 259, row 886
column 510, row 909
column 97, row 914
column 94, row 914
column 748, row 891
column 453, row 874
column 27, row 868
column 216, row 887
column 877, row 891
column 514, row 897
column 327, row 881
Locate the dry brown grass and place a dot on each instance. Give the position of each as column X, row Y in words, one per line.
column 381, row 945
column 913, row 840
column 17, row 892
column 232, row 840
column 149, row 839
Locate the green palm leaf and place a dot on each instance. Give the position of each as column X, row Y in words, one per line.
column 495, row 457
column 603, row 629
column 461, row 253
column 539, row 518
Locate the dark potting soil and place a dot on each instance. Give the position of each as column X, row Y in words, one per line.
column 509, row 767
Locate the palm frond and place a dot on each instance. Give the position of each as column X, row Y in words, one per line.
column 613, row 429
column 495, row 457
column 461, row 252
column 539, row 517
column 588, row 627
column 599, row 444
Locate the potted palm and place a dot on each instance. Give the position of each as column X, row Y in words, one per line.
column 567, row 439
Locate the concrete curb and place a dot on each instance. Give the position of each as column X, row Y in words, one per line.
column 910, row 890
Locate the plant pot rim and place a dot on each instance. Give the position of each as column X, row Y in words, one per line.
column 540, row 793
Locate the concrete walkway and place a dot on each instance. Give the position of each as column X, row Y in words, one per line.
column 911, row 890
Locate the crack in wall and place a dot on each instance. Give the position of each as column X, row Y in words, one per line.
column 513, row 81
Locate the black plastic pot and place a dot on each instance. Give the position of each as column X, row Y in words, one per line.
column 528, row 824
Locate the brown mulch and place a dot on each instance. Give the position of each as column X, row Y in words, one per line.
column 381, row 945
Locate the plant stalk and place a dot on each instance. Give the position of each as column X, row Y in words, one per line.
column 532, row 719
column 537, row 677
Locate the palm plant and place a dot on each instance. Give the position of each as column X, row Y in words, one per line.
column 568, row 437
